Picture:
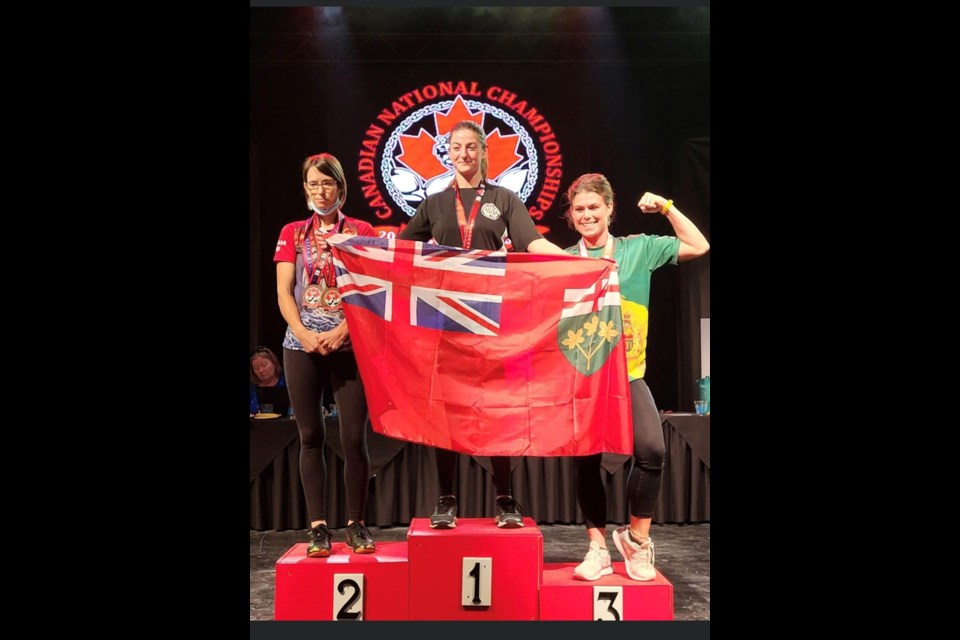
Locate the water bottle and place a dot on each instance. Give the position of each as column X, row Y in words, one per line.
column 704, row 387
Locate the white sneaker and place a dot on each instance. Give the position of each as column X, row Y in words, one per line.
column 638, row 558
column 595, row 565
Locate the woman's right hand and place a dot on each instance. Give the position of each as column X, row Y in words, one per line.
column 320, row 241
column 310, row 341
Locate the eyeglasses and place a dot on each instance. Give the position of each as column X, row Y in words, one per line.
column 260, row 350
column 326, row 184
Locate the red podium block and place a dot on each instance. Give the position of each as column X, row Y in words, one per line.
column 307, row 588
column 564, row 598
column 475, row 562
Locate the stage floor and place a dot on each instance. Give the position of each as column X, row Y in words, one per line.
column 683, row 557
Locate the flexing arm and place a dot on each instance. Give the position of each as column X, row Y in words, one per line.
column 693, row 244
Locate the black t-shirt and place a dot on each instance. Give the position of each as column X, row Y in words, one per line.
column 502, row 214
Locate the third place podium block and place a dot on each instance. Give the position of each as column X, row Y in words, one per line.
column 613, row 597
column 475, row 571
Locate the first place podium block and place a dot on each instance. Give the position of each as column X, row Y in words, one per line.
column 613, row 597
column 476, row 571
column 343, row 586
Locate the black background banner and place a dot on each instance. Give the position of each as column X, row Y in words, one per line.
column 626, row 91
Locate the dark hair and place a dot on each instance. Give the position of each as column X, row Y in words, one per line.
column 595, row 182
column 327, row 165
column 263, row 352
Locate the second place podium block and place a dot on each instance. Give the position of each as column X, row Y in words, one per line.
column 343, row 586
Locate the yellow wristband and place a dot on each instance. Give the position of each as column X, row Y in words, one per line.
column 666, row 207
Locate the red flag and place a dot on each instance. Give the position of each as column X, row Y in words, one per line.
column 486, row 352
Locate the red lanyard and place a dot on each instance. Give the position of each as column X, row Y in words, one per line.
column 466, row 226
column 324, row 264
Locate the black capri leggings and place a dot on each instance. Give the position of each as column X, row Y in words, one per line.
column 306, row 374
column 643, row 485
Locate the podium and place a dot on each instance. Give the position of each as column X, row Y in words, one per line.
column 343, row 586
column 613, row 597
column 476, row 571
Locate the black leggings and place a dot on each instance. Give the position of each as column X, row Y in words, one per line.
column 447, row 468
column 643, row 485
column 306, row 374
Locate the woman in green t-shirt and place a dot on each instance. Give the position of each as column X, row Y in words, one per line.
column 591, row 212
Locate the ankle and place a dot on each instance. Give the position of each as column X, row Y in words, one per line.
column 639, row 539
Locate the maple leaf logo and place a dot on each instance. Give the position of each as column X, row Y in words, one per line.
column 415, row 160
column 501, row 153
column 458, row 112
column 427, row 156
column 417, row 154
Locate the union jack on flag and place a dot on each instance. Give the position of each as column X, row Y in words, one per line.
column 458, row 305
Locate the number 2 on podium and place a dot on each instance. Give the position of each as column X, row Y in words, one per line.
column 348, row 596
column 476, row 579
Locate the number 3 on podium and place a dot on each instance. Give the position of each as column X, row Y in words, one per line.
column 476, row 579
column 608, row 603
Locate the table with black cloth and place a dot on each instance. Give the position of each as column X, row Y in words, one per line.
column 404, row 483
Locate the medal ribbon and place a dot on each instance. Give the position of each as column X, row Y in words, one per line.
column 324, row 263
column 607, row 248
column 466, row 226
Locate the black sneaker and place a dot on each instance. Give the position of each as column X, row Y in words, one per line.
column 508, row 513
column 319, row 546
column 445, row 514
column 358, row 538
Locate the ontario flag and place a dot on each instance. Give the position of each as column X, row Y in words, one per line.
column 487, row 352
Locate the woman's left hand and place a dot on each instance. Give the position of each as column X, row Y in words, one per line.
column 333, row 339
column 651, row 203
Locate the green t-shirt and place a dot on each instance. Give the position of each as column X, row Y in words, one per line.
column 637, row 257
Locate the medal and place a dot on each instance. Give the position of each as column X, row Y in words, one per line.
column 319, row 272
column 330, row 301
column 313, row 296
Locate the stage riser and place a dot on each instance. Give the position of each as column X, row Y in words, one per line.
column 476, row 571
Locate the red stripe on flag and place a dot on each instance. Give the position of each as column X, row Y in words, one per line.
column 470, row 313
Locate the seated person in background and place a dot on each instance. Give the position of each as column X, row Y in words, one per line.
column 267, row 384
